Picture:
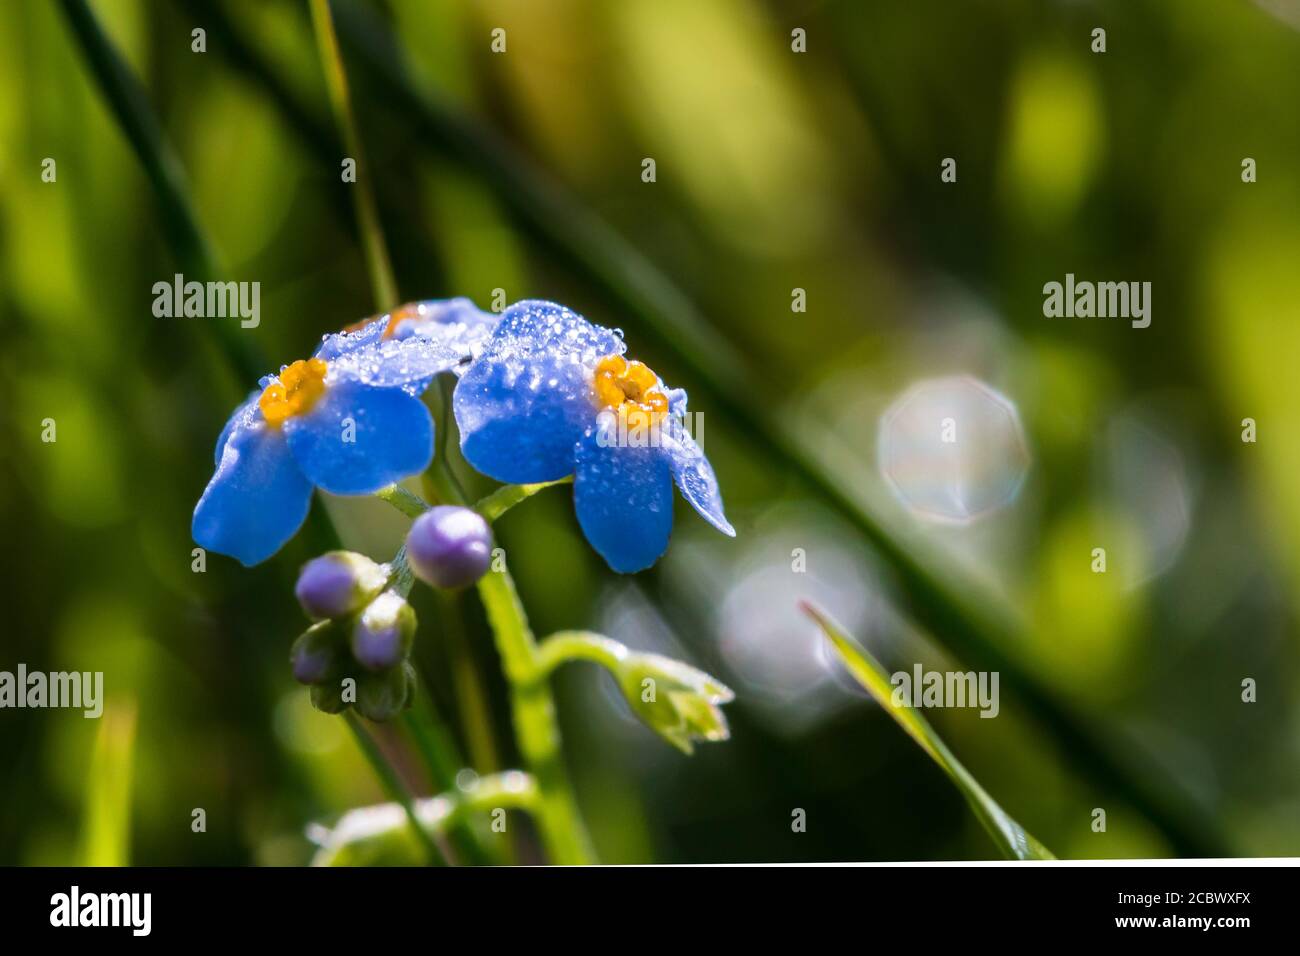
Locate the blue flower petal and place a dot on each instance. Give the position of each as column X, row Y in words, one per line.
column 245, row 415
column 409, row 363
column 343, row 343
column 525, row 402
column 391, row 436
column 624, row 500
column 514, row 430
column 535, row 325
column 693, row 474
column 457, row 322
column 258, row 497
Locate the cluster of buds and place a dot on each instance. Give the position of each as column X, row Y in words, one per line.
column 355, row 655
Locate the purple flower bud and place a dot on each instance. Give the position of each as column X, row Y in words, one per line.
column 338, row 583
column 315, row 653
column 449, row 547
column 383, row 633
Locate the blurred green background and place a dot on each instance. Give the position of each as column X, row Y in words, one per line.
column 775, row 170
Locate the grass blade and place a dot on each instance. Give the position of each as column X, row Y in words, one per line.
column 106, row 826
column 392, row 783
column 380, row 268
column 130, row 107
column 1011, row 838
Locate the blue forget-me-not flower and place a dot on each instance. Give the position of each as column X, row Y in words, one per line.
column 348, row 420
column 551, row 395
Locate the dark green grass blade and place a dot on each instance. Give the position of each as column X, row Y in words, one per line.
column 133, row 112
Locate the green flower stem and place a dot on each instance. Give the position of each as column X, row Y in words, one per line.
column 392, row 783
column 433, row 743
column 444, row 478
column 531, row 700
column 535, row 721
column 400, row 577
column 469, row 688
column 478, row 726
column 441, row 758
column 407, row 502
column 496, row 504
column 566, row 646
column 372, row 236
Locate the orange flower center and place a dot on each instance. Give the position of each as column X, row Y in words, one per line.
column 631, row 389
column 299, row 387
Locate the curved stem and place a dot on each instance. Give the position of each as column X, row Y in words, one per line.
column 496, row 504
column 535, row 721
column 579, row 646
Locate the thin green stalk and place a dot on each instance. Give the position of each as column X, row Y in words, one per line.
column 372, row 237
column 427, row 728
column 535, row 721
column 497, row 503
column 433, row 743
column 106, row 821
column 407, row 502
column 532, row 704
column 470, row 693
column 441, row 758
column 564, row 646
column 186, row 238
column 445, row 479
column 393, row 785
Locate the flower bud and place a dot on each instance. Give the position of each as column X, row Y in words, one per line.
column 449, row 547
column 385, row 695
column 382, row 634
column 338, row 583
column 675, row 700
column 328, row 697
column 315, row 654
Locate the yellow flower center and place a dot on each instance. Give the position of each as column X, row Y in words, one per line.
column 300, row 386
column 631, row 389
